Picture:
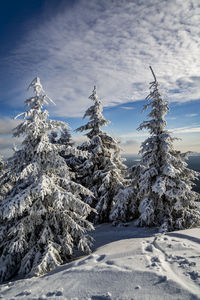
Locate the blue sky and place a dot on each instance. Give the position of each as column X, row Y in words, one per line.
column 74, row 45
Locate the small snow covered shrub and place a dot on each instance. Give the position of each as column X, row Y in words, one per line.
column 43, row 216
column 165, row 183
column 103, row 171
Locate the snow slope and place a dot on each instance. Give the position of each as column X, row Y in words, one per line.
column 127, row 263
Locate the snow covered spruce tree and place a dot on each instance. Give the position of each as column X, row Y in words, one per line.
column 103, row 171
column 6, row 181
column 1, row 164
column 125, row 203
column 74, row 157
column 166, row 196
column 44, row 216
column 3, row 188
column 2, row 167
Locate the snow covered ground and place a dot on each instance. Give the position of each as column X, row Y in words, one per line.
column 127, row 263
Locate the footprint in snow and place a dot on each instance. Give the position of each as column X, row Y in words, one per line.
column 138, row 287
column 187, row 262
column 55, row 293
column 194, row 275
column 178, row 257
column 25, row 293
column 100, row 258
column 149, row 248
column 161, row 280
column 110, row 262
column 93, row 256
column 155, row 259
column 101, row 297
column 84, row 261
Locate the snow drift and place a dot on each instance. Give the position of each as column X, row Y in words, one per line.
column 127, row 263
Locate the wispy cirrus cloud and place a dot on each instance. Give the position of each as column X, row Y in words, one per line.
column 143, row 134
column 186, row 130
column 131, row 141
column 111, row 44
column 127, row 107
column 171, row 118
column 133, row 134
column 191, row 115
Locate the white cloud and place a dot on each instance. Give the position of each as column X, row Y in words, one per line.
column 127, row 107
column 191, row 115
column 130, row 147
column 134, row 134
column 6, row 140
column 6, row 145
column 144, row 134
column 171, row 118
column 186, row 130
column 7, row 125
column 111, row 44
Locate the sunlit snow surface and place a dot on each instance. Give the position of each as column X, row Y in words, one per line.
column 127, row 263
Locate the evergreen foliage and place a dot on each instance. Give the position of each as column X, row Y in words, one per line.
column 6, row 183
column 63, row 137
column 1, row 164
column 165, row 183
column 125, row 203
column 43, row 216
column 103, row 171
column 2, row 171
column 44, row 212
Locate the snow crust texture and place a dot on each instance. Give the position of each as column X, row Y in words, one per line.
column 127, row 263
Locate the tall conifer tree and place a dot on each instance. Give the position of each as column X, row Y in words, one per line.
column 103, row 171
column 43, row 214
column 165, row 193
